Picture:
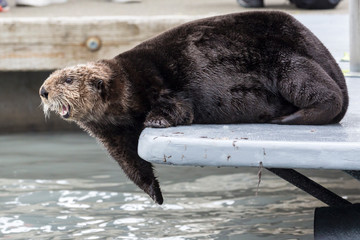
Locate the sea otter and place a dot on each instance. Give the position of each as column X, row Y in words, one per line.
column 253, row 67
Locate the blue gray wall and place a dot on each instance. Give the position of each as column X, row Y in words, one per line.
column 20, row 101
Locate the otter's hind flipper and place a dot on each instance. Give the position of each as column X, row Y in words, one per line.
column 122, row 146
column 307, row 86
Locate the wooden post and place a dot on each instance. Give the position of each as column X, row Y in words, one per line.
column 354, row 35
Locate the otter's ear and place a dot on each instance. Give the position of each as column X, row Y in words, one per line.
column 99, row 84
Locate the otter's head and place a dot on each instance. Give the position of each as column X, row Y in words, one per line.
column 76, row 93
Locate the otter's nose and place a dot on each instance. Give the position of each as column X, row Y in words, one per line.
column 44, row 93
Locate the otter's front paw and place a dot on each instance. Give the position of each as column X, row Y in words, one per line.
column 157, row 122
column 154, row 192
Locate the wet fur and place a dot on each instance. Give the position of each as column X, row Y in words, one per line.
column 254, row 67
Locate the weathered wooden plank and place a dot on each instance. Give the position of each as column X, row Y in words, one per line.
column 50, row 43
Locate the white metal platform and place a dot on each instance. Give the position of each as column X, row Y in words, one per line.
column 275, row 146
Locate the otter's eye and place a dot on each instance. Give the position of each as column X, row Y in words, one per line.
column 68, row 80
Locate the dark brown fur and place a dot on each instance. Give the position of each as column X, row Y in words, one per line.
column 254, row 67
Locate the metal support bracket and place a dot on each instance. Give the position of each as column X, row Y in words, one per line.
column 353, row 173
column 311, row 187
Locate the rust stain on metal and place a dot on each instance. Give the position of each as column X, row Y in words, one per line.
column 166, row 157
column 93, row 43
column 259, row 177
column 234, row 145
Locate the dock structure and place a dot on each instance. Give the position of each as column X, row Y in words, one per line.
column 354, row 9
column 55, row 36
column 35, row 41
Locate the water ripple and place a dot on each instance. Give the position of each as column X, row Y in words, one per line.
column 60, row 198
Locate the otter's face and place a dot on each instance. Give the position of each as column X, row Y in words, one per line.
column 76, row 93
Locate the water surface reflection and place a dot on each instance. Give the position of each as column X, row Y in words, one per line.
column 65, row 186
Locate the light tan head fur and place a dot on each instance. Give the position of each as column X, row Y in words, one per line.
column 75, row 93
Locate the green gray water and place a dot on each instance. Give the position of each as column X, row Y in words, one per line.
column 65, row 186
